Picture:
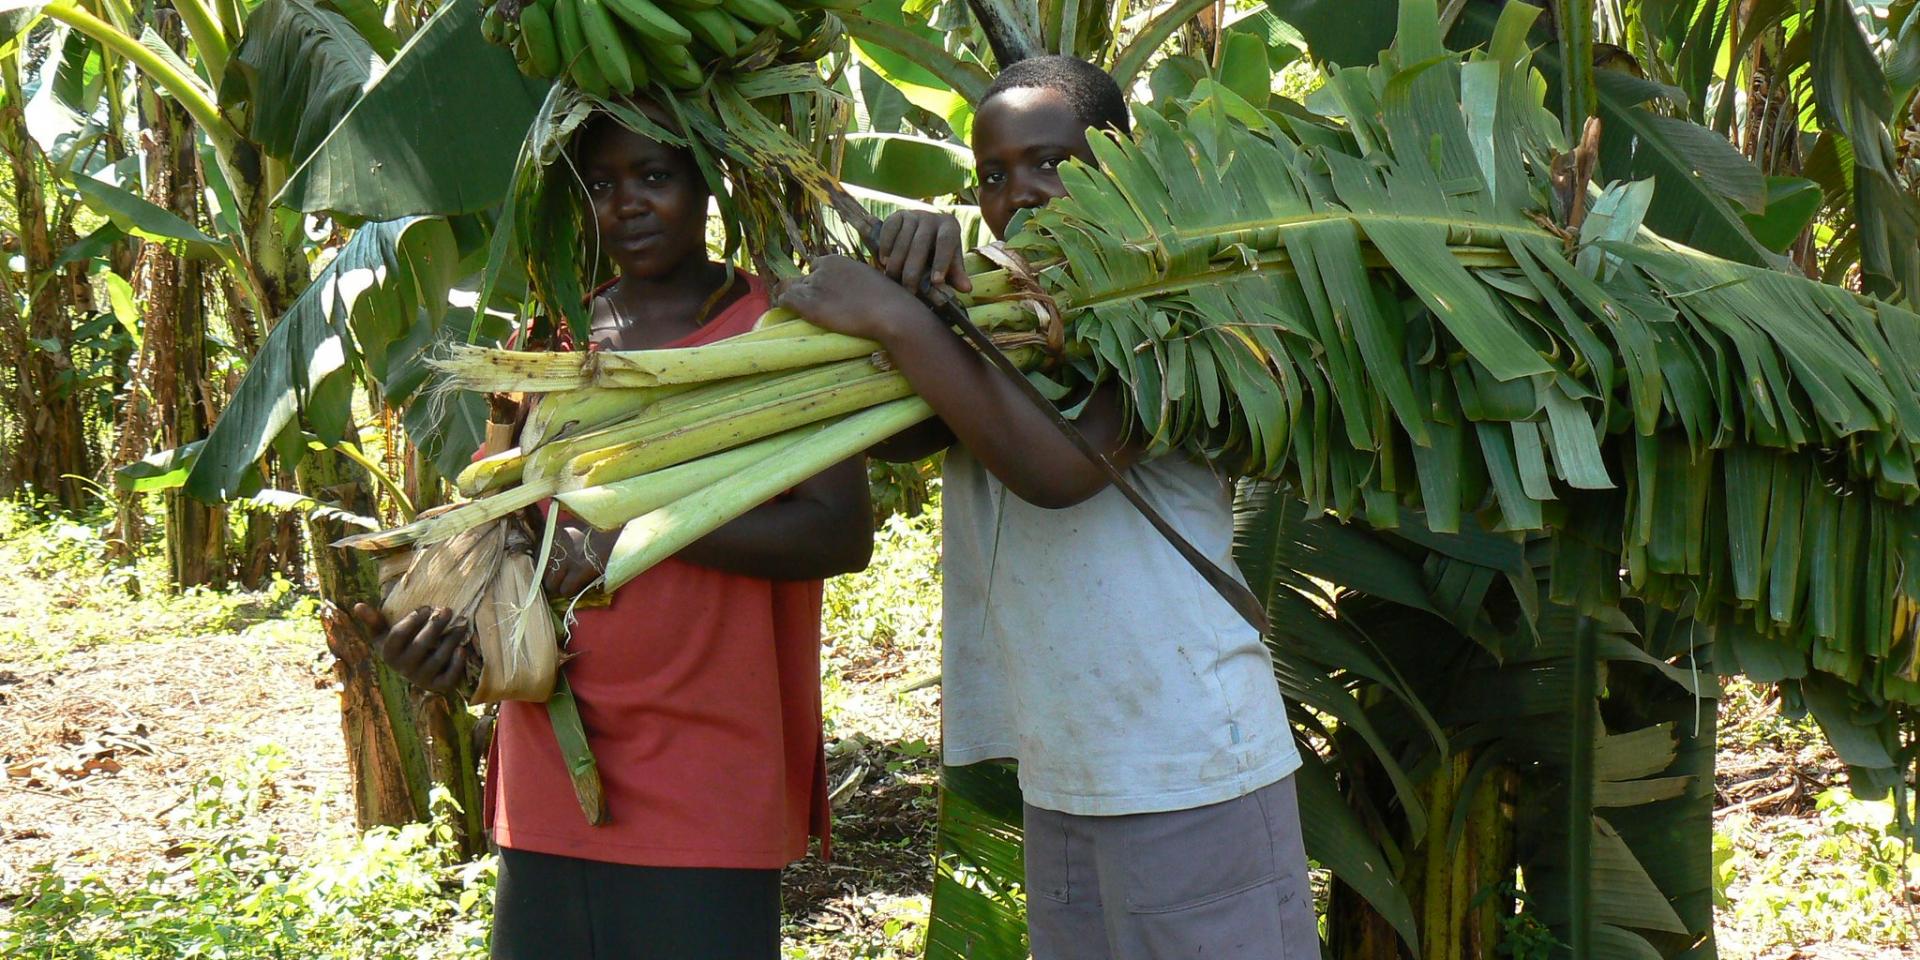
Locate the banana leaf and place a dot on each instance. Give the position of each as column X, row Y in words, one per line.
column 906, row 166
column 388, row 274
column 979, row 896
column 416, row 142
column 137, row 216
column 298, row 69
column 1363, row 318
column 434, row 133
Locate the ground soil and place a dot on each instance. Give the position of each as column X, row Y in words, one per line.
column 104, row 748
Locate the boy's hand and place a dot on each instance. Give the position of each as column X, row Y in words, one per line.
column 920, row 247
column 847, row 296
column 425, row 646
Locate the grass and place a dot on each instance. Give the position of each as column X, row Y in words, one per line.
column 67, row 594
column 231, row 837
column 236, row 891
column 1841, row 874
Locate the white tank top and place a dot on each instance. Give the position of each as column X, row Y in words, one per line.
column 1081, row 644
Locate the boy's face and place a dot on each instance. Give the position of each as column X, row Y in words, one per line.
column 649, row 201
column 1020, row 139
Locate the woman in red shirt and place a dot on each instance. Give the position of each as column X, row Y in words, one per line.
column 699, row 685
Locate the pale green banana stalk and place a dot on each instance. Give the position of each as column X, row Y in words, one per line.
column 720, row 433
column 488, row 474
column 450, row 521
column 716, row 403
column 572, row 412
column 610, row 505
column 663, row 532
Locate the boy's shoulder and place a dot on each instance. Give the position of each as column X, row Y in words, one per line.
column 1188, row 492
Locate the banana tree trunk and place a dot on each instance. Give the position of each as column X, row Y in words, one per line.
column 1010, row 39
column 389, row 736
column 176, row 326
column 50, row 452
column 400, row 742
column 1458, row 878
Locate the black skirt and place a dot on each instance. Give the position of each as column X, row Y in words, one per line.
column 561, row 908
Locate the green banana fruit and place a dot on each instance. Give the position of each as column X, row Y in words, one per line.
column 520, row 58
column 766, row 13
column 713, row 28
column 650, row 22
column 536, row 34
column 492, row 24
column 746, row 33
column 830, row 4
column 587, row 76
column 569, row 39
column 609, row 50
column 674, row 66
column 636, row 62
column 688, row 4
column 574, row 53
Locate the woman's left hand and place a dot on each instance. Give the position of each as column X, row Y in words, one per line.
column 577, row 561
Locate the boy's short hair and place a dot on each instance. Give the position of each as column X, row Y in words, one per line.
column 1094, row 96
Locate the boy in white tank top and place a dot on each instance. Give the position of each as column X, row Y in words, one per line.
column 1154, row 751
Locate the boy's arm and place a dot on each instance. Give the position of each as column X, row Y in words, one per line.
column 997, row 423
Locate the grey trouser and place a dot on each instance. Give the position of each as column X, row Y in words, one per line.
column 1221, row 882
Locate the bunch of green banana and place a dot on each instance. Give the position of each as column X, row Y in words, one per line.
column 607, row 47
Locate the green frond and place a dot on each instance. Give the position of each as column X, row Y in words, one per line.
column 1401, row 327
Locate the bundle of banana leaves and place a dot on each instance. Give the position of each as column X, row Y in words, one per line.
column 1386, row 314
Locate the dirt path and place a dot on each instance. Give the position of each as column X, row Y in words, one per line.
column 103, row 750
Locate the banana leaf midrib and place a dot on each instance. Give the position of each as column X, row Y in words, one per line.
column 1277, row 259
column 1472, row 228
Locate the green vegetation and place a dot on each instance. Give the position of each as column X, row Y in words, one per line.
column 161, row 158
column 232, row 888
column 78, row 595
column 392, row 892
column 1841, row 875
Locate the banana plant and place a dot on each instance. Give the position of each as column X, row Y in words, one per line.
column 1813, row 90
column 1584, row 623
column 50, row 451
column 270, row 88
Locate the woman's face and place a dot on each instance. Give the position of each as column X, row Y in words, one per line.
column 649, row 201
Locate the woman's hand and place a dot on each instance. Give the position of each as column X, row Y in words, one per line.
column 920, row 247
column 425, row 646
column 579, row 558
column 847, row 296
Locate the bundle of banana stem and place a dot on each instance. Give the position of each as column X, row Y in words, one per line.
column 663, row 445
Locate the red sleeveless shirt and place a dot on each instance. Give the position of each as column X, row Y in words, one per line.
column 700, row 693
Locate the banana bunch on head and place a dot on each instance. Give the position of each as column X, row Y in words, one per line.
column 608, row 47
